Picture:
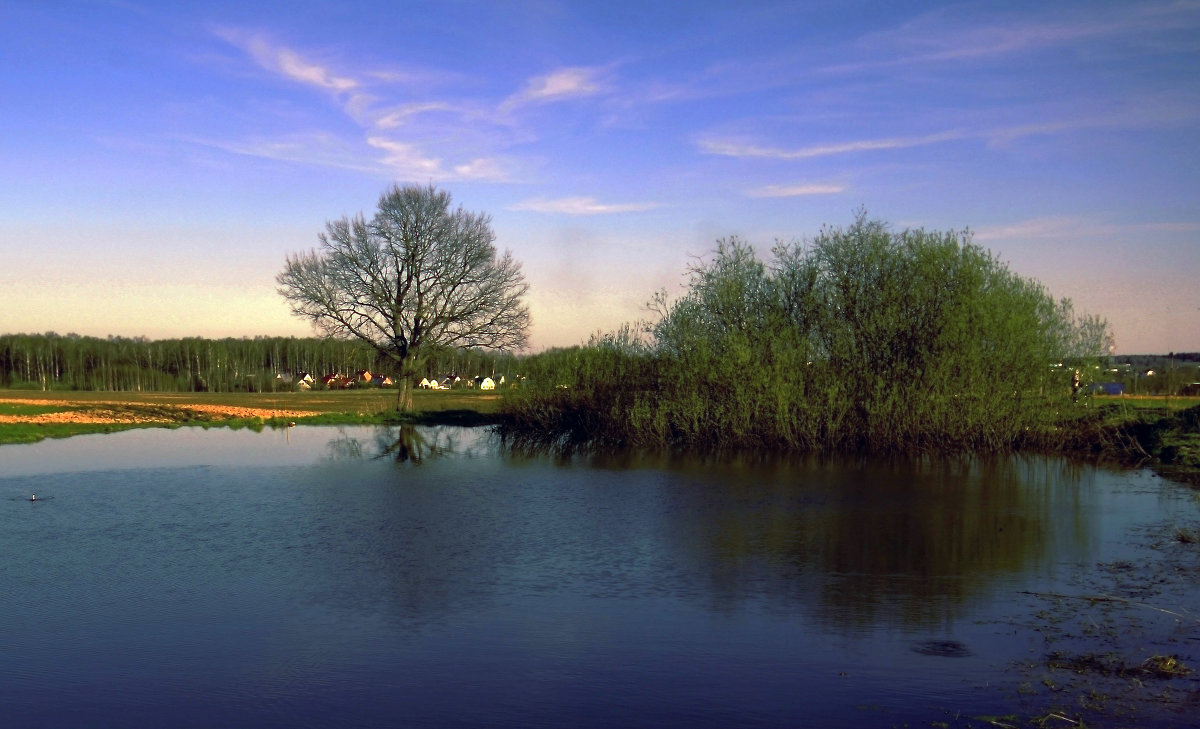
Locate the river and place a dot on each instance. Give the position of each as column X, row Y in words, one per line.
column 370, row 577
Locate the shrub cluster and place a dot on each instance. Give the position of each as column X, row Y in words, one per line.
column 862, row 339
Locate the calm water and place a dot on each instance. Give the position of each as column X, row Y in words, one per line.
column 419, row 577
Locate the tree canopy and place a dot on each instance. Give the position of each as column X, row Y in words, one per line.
column 415, row 277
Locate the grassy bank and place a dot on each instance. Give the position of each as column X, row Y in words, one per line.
column 30, row 416
column 1157, row 431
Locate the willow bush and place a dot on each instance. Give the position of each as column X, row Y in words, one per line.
column 862, row 339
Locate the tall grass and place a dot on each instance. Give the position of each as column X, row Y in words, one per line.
column 862, row 339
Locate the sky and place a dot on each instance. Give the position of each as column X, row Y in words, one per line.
column 158, row 161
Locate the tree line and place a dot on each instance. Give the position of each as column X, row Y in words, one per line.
column 52, row 361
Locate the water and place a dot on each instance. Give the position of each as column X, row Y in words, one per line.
column 421, row 577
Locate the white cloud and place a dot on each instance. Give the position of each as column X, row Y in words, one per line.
column 360, row 101
column 795, row 190
column 483, row 168
column 578, row 206
column 565, row 83
column 297, row 68
column 287, row 62
column 406, row 160
column 401, row 115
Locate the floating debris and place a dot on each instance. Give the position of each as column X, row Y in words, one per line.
column 1165, row 666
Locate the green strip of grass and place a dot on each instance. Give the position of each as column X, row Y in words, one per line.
column 363, row 407
column 15, row 433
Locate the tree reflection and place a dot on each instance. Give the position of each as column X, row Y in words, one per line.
column 893, row 543
column 852, row 545
column 343, row 447
column 408, row 444
column 416, row 444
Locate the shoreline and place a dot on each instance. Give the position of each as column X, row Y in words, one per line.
column 1121, row 431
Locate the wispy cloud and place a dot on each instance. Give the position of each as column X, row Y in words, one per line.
column 287, row 62
column 579, row 206
column 1141, row 113
column 359, row 96
column 731, row 148
column 565, row 83
column 295, row 67
column 408, row 161
column 795, row 190
column 491, row 169
column 398, row 116
column 324, row 150
column 1069, row 227
column 951, row 34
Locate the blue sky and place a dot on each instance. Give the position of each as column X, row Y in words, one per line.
column 159, row 160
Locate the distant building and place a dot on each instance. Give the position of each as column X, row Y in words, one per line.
column 337, row 382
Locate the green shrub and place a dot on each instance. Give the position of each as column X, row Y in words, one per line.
column 862, row 339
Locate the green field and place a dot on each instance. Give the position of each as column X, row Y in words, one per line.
column 365, row 401
column 151, row 409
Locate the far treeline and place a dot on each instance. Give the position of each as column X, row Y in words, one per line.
column 861, row 339
column 264, row 364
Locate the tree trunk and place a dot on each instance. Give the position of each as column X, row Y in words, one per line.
column 404, row 395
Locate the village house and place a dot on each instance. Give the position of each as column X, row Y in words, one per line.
column 337, row 382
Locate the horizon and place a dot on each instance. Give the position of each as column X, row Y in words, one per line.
column 163, row 161
column 482, row 351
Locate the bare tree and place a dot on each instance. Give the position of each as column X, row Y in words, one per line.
column 415, row 277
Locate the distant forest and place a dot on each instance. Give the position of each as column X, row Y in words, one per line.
column 264, row 364
column 53, row 361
